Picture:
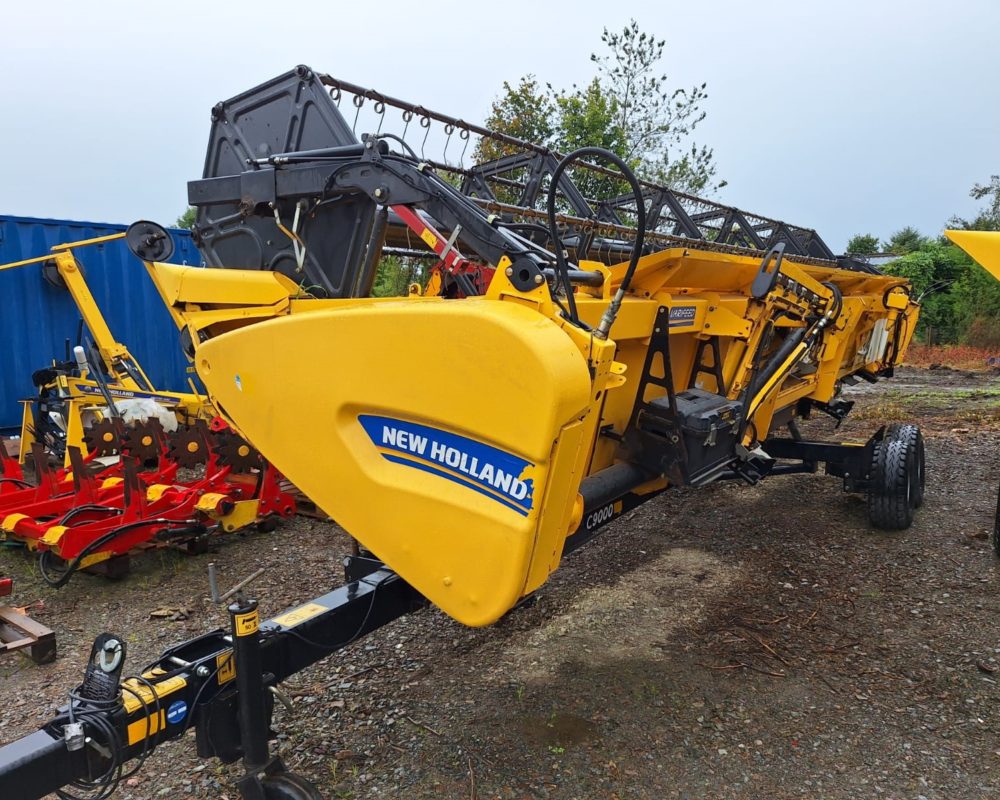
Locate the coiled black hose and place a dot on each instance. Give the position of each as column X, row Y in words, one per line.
column 562, row 267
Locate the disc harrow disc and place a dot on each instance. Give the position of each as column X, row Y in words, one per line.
column 143, row 440
column 188, row 447
column 102, row 438
column 235, row 452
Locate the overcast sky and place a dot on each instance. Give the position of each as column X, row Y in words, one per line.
column 843, row 116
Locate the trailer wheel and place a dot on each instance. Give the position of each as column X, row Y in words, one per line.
column 915, row 439
column 289, row 786
column 896, row 480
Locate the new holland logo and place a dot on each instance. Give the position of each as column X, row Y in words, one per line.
column 494, row 473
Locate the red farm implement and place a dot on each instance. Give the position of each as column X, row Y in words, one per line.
column 93, row 514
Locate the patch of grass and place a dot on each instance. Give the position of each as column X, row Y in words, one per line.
column 888, row 408
column 897, row 406
column 981, row 416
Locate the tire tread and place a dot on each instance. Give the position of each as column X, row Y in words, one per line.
column 890, row 506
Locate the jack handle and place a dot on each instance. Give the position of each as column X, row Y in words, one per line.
column 213, row 584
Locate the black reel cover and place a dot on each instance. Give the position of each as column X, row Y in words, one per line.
column 289, row 113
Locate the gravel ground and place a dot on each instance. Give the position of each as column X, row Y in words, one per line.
column 727, row 642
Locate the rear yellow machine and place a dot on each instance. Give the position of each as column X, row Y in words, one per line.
column 984, row 247
column 76, row 395
column 469, row 439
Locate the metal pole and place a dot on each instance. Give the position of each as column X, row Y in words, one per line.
column 245, row 620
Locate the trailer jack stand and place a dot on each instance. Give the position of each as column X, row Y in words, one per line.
column 266, row 777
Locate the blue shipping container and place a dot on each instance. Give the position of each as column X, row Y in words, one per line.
column 36, row 318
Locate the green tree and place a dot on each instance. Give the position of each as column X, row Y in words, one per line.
column 992, row 191
column 863, row 244
column 394, row 275
column 977, row 294
column 588, row 117
column 628, row 107
column 187, row 219
column 959, row 301
column 931, row 272
column 977, row 307
column 906, row 240
column 988, row 218
column 657, row 121
column 525, row 111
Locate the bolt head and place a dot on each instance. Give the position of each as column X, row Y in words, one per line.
column 539, row 279
column 509, row 271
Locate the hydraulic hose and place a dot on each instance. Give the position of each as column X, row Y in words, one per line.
column 74, row 565
column 608, row 318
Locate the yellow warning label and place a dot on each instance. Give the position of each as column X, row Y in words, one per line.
column 292, row 618
column 145, row 697
column 429, row 237
column 247, row 624
column 227, row 667
column 145, row 727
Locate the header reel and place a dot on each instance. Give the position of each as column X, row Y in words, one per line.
column 261, row 206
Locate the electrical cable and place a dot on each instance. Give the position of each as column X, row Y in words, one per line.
column 97, row 714
column 201, row 689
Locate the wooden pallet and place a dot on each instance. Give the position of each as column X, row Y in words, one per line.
column 18, row 631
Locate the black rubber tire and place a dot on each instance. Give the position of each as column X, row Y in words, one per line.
column 289, row 786
column 895, row 478
column 918, row 495
column 914, row 439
